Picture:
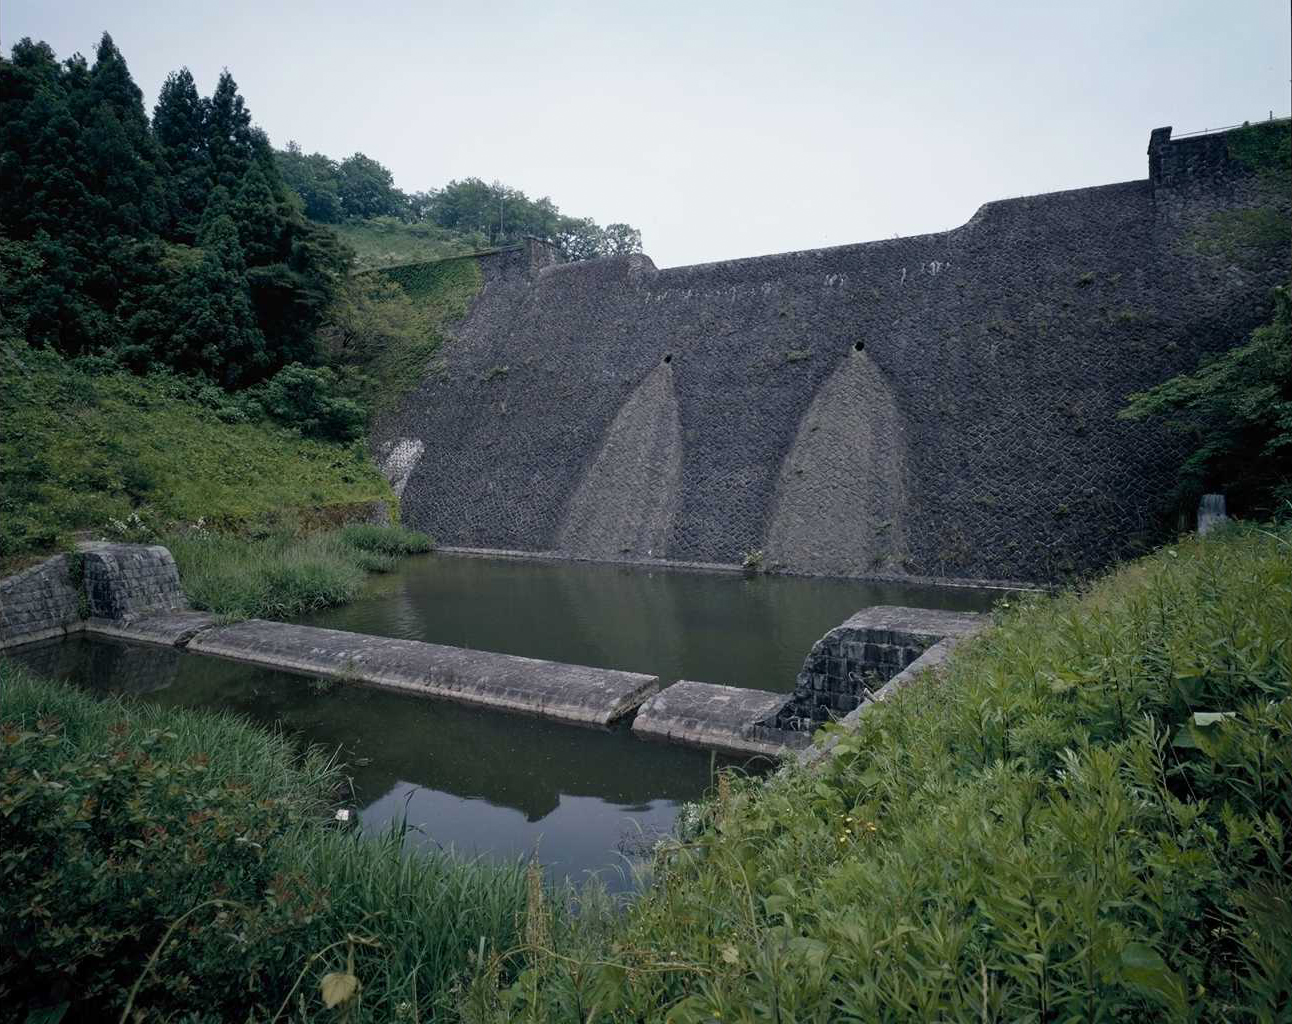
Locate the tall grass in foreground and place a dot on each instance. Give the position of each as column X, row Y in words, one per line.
column 132, row 832
column 285, row 574
column 1088, row 818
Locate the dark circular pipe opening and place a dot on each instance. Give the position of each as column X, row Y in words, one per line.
column 859, row 346
column 668, row 358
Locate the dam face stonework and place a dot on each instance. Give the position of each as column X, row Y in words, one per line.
column 935, row 406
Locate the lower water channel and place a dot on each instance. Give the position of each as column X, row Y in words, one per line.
column 503, row 785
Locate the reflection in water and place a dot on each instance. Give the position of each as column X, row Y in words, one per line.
column 481, row 782
column 498, row 784
column 714, row 627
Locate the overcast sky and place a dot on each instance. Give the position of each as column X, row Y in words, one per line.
column 721, row 129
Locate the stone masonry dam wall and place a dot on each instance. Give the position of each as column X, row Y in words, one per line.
column 935, row 406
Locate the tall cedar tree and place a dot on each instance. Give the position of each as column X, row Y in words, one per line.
column 174, row 243
column 179, row 126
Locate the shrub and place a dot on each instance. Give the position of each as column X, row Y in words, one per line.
column 133, row 832
column 311, row 401
column 1236, row 411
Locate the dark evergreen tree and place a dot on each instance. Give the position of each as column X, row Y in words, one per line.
column 216, row 330
column 230, row 141
column 119, row 158
column 179, row 127
column 260, row 221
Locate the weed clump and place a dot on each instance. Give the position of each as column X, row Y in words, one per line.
column 183, row 861
column 386, row 540
column 283, row 574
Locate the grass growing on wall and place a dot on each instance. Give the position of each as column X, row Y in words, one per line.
column 80, row 445
column 441, row 293
column 1089, row 818
column 191, row 855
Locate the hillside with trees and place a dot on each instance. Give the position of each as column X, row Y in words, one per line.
column 384, row 225
column 180, row 250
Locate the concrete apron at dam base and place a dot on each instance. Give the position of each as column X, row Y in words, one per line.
column 132, row 592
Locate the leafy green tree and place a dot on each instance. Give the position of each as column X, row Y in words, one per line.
column 367, row 189
column 316, row 179
column 1236, row 409
column 621, row 240
column 579, row 238
column 310, row 399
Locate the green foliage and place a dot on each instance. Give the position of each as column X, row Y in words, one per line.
column 105, row 205
column 356, row 188
column 283, row 573
column 1265, row 147
column 309, row 400
column 367, row 189
column 1236, row 408
column 388, row 540
column 1085, row 818
column 388, row 326
column 181, row 861
column 387, row 242
column 359, row 195
column 83, row 442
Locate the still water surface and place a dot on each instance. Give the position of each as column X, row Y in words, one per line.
column 505, row 785
column 727, row 628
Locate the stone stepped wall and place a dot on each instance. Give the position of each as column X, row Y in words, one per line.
column 39, row 602
column 104, row 582
column 854, row 660
column 129, row 581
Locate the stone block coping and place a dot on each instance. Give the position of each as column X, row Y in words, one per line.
column 722, row 718
column 567, row 693
column 892, row 624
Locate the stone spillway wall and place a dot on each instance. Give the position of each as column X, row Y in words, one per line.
column 100, row 581
column 853, row 662
column 39, row 602
column 935, row 406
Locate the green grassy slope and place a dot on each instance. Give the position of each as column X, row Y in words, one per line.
column 78, row 447
column 1087, row 819
column 385, row 241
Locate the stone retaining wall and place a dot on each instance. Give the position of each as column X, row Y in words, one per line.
column 107, row 584
column 935, row 406
column 39, row 602
column 129, row 581
column 854, row 660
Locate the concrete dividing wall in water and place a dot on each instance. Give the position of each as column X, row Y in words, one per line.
column 935, row 406
column 566, row 693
